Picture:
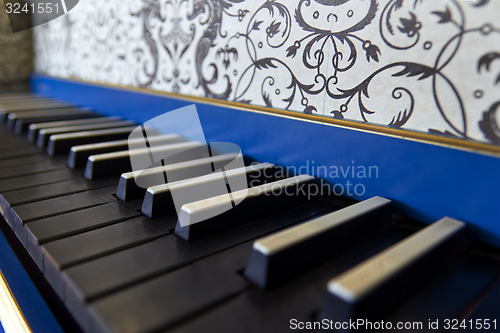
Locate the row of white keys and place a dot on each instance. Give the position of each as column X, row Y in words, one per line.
column 116, row 163
column 392, row 274
column 62, row 143
column 283, row 255
column 20, row 121
column 34, row 128
column 158, row 200
column 21, row 98
column 79, row 154
column 7, row 109
column 45, row 133
column 134, row 184
column 222, row 212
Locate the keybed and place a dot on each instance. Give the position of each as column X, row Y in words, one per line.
column 126, row 249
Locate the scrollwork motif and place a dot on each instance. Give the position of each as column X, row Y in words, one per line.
column 395, row 62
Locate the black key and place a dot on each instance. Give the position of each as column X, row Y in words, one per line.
column 19, row 121
column 29, row 169
column 11, row 199
column 69, row 224
column 75, row 249
column 62, row 143
column 299, row 299
column 78, row 155
column 392, row 274
column 158, row 200
column 56, row 227
column 166, row 300
column 281, row 256
column 116, row 163
column 12, row 146
column 19, row 215
column 133, row 265
column 33, row 129
column 96, row 243
column 45, row 191
column 18, row 152
column 128, row 188
column 8, row 141
column 21, row 182
column 203, row 218
column 44, row 134
column 31, row 159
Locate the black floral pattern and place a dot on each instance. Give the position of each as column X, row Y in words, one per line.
column 394, row 62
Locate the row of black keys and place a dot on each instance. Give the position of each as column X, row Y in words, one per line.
column 145, row 279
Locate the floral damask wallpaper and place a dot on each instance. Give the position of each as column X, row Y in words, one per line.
column 426, row 65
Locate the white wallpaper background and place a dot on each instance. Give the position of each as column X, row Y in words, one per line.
column 425, row 65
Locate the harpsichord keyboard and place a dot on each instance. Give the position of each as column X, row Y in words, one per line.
column 118, row 259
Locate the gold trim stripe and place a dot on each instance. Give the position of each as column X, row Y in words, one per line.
column 455, row 143
column 11, row 316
